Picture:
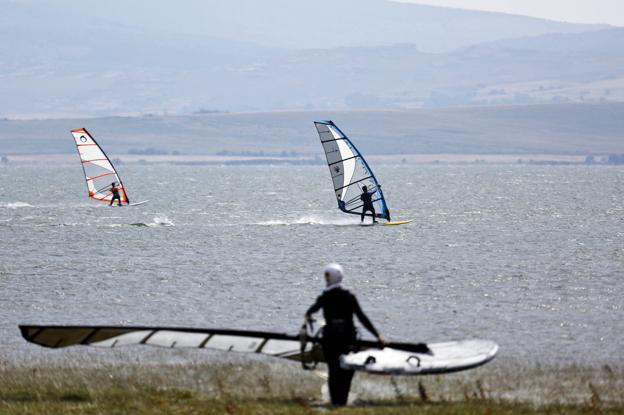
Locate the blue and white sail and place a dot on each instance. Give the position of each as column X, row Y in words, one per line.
column 349, row 172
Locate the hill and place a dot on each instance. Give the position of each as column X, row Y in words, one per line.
column 90, row 58
column 319, row 24
column 532, row 129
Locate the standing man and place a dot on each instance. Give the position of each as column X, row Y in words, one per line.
column 339, row 334
column 367, row 200
column 115, row 191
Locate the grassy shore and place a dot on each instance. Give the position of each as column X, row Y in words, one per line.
column 232, row 388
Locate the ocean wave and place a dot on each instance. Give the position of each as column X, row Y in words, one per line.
column 16, row 205
column 157, row 221
column 312, row 220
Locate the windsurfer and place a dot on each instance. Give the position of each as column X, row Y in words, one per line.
column 339, row 334
column 367, row 200
column 116, row 196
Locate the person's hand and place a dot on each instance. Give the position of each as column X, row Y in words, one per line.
column 381, row 340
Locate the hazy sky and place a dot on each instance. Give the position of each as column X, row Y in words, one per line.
column 582, row 11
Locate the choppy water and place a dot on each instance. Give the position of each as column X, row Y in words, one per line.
column 529, row 256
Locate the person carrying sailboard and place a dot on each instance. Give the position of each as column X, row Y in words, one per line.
column 116, row 196
column 339, row 334
column 367, row 200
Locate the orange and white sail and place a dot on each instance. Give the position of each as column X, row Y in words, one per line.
column 98, row 169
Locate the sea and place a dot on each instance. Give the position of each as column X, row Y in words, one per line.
column 529, row 256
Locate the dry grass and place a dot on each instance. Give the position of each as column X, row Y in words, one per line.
column 258, row 388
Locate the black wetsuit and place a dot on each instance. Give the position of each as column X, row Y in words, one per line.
column 116, row 196
column 367, row 200
column 339, row 337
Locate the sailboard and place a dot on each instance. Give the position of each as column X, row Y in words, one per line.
column 350, row 173
column 398, row 222
column 303, row 347
column 446, row 357
column 98, row 170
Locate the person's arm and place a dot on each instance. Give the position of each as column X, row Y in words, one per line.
column 365, row 321
column 313, row 309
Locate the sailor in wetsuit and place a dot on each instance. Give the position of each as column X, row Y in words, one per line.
column 115, row 191
column 339, row 334
column 367, row 200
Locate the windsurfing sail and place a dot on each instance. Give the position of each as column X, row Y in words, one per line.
column 98, row 169
column 274, row 344
column 277, row 344
column 349, row 172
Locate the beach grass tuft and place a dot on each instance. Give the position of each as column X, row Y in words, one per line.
column 259, row 388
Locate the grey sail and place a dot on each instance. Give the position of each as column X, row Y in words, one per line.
column 289, row 346
column 274, row 344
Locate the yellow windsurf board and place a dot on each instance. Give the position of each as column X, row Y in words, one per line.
column 398, row 222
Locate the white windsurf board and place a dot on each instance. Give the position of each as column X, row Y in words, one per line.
column 443, row 358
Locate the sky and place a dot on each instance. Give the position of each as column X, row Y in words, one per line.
column 577, row 11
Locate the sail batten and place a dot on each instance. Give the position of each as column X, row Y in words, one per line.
column 98, row 170
column 349, row 171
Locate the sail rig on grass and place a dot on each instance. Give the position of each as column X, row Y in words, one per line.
column 349, row 172
column 98, row 170
column 395, row 358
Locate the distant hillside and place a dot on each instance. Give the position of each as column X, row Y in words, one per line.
column 587, row 67
column 301, row 24
column 90, row 58
column 532, row 129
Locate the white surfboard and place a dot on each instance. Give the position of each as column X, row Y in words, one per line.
column 444, row 358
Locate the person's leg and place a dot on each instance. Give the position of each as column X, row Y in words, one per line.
column 344, row 376
column 372, row 209
column 363, row 214
column 334, row 381
column 343, row 386
column 368, row 209
column 332, row 358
